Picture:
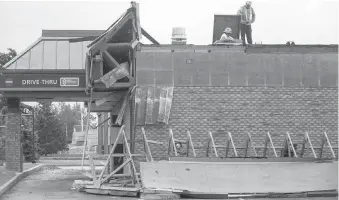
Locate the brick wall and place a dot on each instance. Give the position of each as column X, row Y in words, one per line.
column 2, row 146
column 2, row 139
column 253, row 109
column 13, row 152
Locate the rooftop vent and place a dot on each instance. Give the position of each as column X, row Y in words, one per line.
column 179, row 35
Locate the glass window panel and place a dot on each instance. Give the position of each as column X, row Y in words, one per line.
column 23, row 61
column 63, row 55
column 49, row 55
column 85, row 50
column 36, row 56
column 76, row 55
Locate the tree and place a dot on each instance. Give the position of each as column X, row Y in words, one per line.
column 52, row 136
column 70, row 115
column 27, row 139
column 26, row 121
column 6, row 57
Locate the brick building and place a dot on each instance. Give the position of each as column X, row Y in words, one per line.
column 272, row 88
column 256, row 89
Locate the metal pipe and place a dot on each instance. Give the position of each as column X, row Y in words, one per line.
column 102, row 123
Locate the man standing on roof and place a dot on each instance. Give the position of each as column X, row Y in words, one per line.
column 247, row 17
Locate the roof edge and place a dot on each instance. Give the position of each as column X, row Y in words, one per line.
column 22, row 53
column 71, row 33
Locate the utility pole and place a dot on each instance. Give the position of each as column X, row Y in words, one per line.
column 82, row 120
column 66, row 131
column 33, row 139
column 66, row 127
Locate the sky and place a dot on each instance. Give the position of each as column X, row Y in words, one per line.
column 277, row 21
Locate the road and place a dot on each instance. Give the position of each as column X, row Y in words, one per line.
column 50, row 184
column 55, row 183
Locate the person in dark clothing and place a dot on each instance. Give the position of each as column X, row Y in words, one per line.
column 247, row 17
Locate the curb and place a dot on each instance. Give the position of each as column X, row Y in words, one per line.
column 13, row 181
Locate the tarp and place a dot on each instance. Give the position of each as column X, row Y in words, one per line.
column 153, row 104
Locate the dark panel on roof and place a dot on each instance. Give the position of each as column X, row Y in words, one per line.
column 223, row 21
column 71, row 33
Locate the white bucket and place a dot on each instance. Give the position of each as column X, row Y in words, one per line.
column 179, row 33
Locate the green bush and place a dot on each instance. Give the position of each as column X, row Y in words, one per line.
column 27, row 145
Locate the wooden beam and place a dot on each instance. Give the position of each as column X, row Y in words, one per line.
column 87, row 69
column 149, row 37
column 112, row 192
column 250, row 159
column 100, row 87
column 137, row 20
column 118, row 47
column 116, row 96
column 106, row 107
column 82, row 39
column 109, row 60
column 122, row 109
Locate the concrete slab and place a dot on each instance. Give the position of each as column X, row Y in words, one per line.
column 240, row 177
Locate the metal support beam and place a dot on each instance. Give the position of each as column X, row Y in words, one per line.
column 149, row 37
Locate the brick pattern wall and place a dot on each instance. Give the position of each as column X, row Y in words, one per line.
column 13, row 153
column 2, row 146
column 257, row 110
column 2, row 139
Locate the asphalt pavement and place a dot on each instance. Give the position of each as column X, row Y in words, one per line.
column 52, row 183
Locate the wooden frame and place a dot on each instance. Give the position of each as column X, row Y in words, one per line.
column 188, row 142
column 147, row 149
column 214, row 146
column 249, row 142
column 128, row 160
column 87, row 129
column 326, row 140
column 306, row 141
column 268, row 139
column 288, row 143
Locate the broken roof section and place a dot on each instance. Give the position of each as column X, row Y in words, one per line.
column 54, row 50
column 121, row 31
column 66, row 49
